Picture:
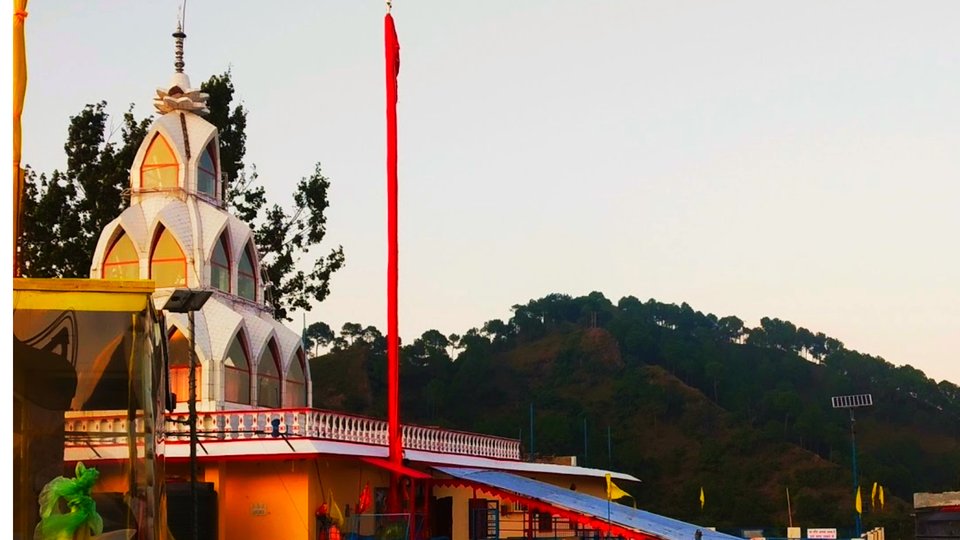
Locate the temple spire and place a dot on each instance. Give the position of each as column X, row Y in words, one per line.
column 178, row 95
column 179, row 36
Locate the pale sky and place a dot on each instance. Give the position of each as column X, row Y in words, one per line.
column 797, row 160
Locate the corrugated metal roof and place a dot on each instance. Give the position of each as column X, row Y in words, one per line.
column 476, row 462
column 623, row 516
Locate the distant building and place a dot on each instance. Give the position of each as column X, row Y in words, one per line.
column 937, row 515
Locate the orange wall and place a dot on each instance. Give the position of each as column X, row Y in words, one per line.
column 461, row 511
column 279, row 498
column 265, row 499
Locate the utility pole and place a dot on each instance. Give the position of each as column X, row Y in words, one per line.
column 532, row 450
column 190, row 301
column 609, row 449
column 192, row 413
column 584, row 440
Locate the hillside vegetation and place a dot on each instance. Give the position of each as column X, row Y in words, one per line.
column 690, row 400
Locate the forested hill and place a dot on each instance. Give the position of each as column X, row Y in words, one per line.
column 690, row 399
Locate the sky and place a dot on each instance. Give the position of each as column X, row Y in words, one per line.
column 796, row 160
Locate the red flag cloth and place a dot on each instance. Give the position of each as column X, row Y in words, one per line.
column 365, row 499
column 392, row 53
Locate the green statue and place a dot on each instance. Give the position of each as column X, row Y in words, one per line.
column 82, row 521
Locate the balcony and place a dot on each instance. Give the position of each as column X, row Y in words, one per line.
column 110, row 428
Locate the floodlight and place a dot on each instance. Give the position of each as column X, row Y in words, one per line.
column 186, row 300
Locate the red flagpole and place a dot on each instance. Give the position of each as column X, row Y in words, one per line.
column 392, row 55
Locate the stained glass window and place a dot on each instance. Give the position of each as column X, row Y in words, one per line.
column 295, row 394
column 237, row 372
column 207, row 172
column 160, row 168
column 220, row 265
column 246, row 279
column 178, row 349
column 268, row 377
column 168, row 266
column 122, row 260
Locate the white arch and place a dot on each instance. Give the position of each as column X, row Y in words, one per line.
column 173, row 135
column 131, row 221
column 228, row 323
column 219, row 224
column 260, row 333
column 174, row 217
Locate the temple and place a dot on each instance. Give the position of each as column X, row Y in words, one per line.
column 269, row 465
column 178, row 233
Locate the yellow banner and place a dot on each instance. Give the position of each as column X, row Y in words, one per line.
column 19, row 92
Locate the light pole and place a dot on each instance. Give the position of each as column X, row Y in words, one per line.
column 190, row 301
column 852, row 402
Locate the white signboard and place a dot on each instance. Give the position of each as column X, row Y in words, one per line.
column 822, row 534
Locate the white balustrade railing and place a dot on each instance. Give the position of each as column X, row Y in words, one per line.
column 100, row 430
column 295, row 423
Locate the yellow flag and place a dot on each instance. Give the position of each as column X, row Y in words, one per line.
column 614, row 492
column 881, row 497
column 703, row 500
column 19, row 92
column 858, row 505
column 335, row 514
column 873, row 495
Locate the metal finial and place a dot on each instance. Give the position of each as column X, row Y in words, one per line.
column 179, row 35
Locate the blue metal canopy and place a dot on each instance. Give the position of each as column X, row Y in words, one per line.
column 618, row 515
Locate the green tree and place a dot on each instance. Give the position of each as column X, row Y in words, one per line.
column 429, row 349
column 349, row 334
column 781, row 334
column 231, row 123
column 285, row 237
column 498, row 331
column 64, row 213
column 730, row 328
column 714, row 371
column 318, row 334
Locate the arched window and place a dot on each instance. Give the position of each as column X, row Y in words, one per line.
column 246, row 278
column 268, row 377
column 236, row 373
column 122, row 260
column 178, row 348
column 160, row 168
column 168, row 265
column 220, row 265
column 295, row 393
column 207, row 171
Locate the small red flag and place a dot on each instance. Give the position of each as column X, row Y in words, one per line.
column 392, row 52
column 365, row 499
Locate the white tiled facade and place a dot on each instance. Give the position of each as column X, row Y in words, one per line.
column 197, row 221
